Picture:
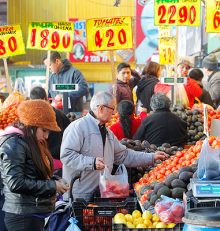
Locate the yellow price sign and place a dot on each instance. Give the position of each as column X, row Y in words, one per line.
column 109, row 34
column 213, row 16
column 11, row 41
column 167, row 47
column 165, row 31
column 51, row 36
column 177, row 12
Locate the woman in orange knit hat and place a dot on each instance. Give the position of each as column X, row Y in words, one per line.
column 27, row 167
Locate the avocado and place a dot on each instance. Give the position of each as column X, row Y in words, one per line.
column 185, row 176
column 153, row 146
column 177, row 183
column 164, row 191
column 157, row 187
column 144, row 189
column 153, row 199
column 174, row 148
column 145, row 144
column 178, row 192
column 168, row 151
column 197, row 124
column 200, row 129
column 186, row 169
column 138, row 148
column 146, row 204
column 166, row 145
column 170, row 178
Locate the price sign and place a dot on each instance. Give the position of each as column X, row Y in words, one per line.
column 109, row 34
column 177, row 12
column 167, row 47
column 50, row 36
column 11, row 41
column 164, row 31
column 213, row 16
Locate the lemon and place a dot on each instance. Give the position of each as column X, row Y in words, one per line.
column 141, row 226
column 136, row 214
column 130, row 225
column 155, row 217
column 139, row 220
column 147, row 215
column 147, row 222
column 129, row 218
column 171, row 225
column 154, row 224
column 119, row 215
column 119, row 218
column 161, row 225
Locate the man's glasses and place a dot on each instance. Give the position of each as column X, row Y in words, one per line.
column 112, row 108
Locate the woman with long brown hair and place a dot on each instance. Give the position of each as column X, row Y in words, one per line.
column 27, row 167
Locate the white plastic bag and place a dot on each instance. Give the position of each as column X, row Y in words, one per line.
column 209, row 162
column 114, row 186
column 181, row 96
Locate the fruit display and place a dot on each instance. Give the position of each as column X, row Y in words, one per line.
column 8, row 115
column 169, row 210
column 14, row 98
column 140, row 220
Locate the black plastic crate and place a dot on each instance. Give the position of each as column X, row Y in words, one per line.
column 121, row 227
column 98, row 214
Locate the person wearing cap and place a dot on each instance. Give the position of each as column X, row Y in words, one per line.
column 27, row 167
column 162, row 126
column 127, row 124
column 88, row 146
column 211, row 69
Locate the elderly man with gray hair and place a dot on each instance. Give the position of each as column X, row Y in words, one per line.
column 162, row 126
column 88, row 146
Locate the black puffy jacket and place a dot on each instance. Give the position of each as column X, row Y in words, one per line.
column 25, row 192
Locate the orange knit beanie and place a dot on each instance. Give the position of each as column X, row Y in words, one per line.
column 38, row 113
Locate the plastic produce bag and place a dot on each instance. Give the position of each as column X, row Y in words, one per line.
column 73, row 225
column 209, row 162
column 169, row 210
column 114, row 186
column 181, row 96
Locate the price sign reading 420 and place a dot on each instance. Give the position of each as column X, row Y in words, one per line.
column 167, row 48
column 213, row 16
column 109, row 33
column 11, row 41
column 50, row 36
column 177, row 12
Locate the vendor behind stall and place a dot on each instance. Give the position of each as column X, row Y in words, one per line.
column 162, row 126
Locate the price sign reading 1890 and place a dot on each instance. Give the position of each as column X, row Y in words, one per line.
column 50, row 36
column 177, row 12
column 213, row 16
column 11, row 41
column 109, row 33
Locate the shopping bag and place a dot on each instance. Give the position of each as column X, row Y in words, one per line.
column 181, row 96
column 114, row 186
column 209, row 162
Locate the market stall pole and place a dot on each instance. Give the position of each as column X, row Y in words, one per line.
column 8, row 80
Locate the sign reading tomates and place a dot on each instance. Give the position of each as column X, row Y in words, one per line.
column 50, row 36
column 177, row 12
column 213, row 16
column 167, row 47
column 11, row 41
column 109, row 33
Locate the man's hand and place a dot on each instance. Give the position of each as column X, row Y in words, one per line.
column 160, row 156
column 99, row 163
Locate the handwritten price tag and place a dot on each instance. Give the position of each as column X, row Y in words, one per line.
column 213, row 16
column 109, row 33
column 177, row 12
column 167, row 47
column 165, row 31
column 51, row 36
column 11, row 41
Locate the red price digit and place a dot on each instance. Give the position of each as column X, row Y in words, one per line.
column 12, row 44
column 110, row 34
column 170, row 55
column 55, row 40
column 122, row 37
column 2, row 48
column 216, row 19
column 98, row 39
column 66, row 40
column 183, row 14
column 172, row 12
column 192, row 14
column 33, row 37
column 44, row 35
column 165, row 54
column 162, row 13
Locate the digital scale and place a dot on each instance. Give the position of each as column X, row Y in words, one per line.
column 205, row 188
column 173, row 80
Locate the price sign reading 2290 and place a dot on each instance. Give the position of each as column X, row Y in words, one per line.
column 51, row 36
column 109, row 33
column 177, row 12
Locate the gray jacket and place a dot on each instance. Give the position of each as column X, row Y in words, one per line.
column 70, row 75
column 82, row 143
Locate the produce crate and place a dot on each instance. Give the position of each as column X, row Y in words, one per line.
column 121, row 227
column 98, row 214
